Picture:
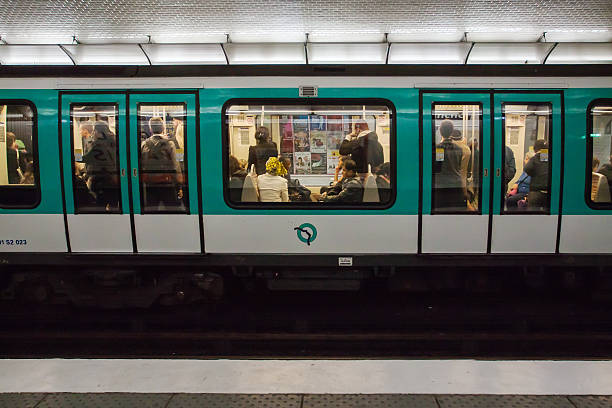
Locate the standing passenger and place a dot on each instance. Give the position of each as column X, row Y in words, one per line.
column 363, row 147
column 537, row 168
column 449, row 184
column 262, row 151
column 509, row 168
column 101, row 167
column 162, row 177
column 12, row 159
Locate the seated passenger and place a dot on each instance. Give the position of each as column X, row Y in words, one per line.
column 28, row 176
column 272, row 185
column 606, row 170
column 520, row 189
column 297, row 192
column 383, row 181
column 236, row 179
column 337, row 174
column 262, row 151
column 349, row 189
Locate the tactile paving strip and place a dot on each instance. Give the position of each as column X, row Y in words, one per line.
column 369, row 401
column 20, row 400
column 503, row 401
column 106, row 400
column 592, row 401
column 235, row 401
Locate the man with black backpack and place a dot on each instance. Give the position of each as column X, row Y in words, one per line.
column 161, row 172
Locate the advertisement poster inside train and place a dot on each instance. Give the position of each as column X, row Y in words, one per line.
column 318, row 142
column 318, row 122
column 301, row 140
column 286, row 126
column 301, row 163
column 318, row 163
column 333, row 157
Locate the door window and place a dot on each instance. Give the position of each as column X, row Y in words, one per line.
column 526, row 170
column 95, row 158
column 456, row 138
column 599, row 162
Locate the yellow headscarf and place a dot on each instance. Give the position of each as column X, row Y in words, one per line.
column 275, row 167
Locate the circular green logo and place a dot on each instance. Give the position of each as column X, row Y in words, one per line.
column 306, row 233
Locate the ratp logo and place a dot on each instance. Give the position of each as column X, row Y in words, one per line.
column 306, row 233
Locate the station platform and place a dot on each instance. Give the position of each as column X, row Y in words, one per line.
column 304, row 383
column 87, row 400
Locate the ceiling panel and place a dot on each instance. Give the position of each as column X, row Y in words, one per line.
column 97, row 21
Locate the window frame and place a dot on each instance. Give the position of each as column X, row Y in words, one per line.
column 503, row 158
column 36, row 189
column 72, row 161
column 300, row 205
column 434, row 210
column 588, row 184
column 187, row 210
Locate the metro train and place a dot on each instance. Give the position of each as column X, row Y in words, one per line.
column 64, row 215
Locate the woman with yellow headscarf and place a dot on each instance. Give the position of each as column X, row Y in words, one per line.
column 272, row 185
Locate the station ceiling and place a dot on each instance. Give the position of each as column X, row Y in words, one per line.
column 176, row 21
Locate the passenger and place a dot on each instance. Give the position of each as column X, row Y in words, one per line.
column 236, row 179
column 349, row 189
column 363, row 147
column 297, row 192
column 606, row 170
column 262, row 151
column 509, row 168
column 383, row 181
column 161, row 172
column 449, row 185
column 520, row 190
column 595, row 164
column 28, row 176
column 101, row 167
column 537, row 168
column 178, row 138
column 12, row 159
column 473, row 187
column 337, row 174
column 86, row 130
column 465, row 150
column 272, row 184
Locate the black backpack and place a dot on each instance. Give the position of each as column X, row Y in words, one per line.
column 157, row 161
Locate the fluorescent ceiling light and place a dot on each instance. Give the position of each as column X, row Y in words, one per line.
column 339, row 37
column 579, row 36
column 509, row 53
column 347, row 53
column 37, row 39
column 184, row 38
column 508, row 36
column 33, row 55
column 428, row 53
column 424, row 36
column 184, row 54
column 108, row 54
column 581, row 53
column 260, row 53
column 285, row 37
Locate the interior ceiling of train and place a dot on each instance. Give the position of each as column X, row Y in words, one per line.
column 180, row 21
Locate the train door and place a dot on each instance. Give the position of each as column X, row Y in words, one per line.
column 456, row 136
column 164, row 177
column 95, row 163
column 527, row 172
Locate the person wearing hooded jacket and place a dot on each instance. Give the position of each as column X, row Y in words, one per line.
column 363, row 147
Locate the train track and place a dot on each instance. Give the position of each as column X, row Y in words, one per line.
column 337, row 325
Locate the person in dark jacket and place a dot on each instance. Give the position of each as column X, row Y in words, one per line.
column 537, row 168
column 383, row 182
column 101, row 167
column 347, row 190
column 363, row 147
column 236, row 179
column 509, row 168
column 450, row 192
column 12, row 159
column 606, row 170
column 262, row 151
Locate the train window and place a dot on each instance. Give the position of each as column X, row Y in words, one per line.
column 95, row 158
column 456, row 158
column 527, row 157
column 320, row 154
column 599, row 153
column 163, row 175
column 19, row 185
